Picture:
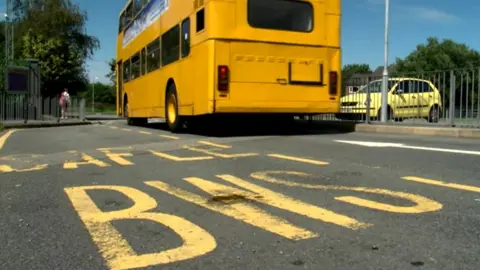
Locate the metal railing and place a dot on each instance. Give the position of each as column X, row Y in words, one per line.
column 28, row 108
column 443, row 98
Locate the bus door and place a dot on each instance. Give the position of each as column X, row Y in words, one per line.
column 120, row 88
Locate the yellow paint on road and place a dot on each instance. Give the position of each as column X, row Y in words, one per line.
column 240, row 210
column 5, row 136
column 176, row 158
column 169, row 137
column 421, row 204
column 8, row 169
column 145, row 132
column 215, row 144
column 119, row 158
column 115, row 248
column 220, row 155
column 113, row 127
column 286, row 203
column 126, row 129
column 298, row 159
column 441, row 183
column 87, row 160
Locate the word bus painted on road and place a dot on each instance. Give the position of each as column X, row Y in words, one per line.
column 242, row 201
column 181, row 59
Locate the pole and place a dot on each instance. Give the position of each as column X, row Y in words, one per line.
column 385, row 67
column 93, row 97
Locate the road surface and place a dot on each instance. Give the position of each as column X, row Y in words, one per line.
column 110, row 196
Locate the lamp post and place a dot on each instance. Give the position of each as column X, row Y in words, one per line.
column 385, row 67
column 93, row 93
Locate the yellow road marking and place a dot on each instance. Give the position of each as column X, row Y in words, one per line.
column 145, row 132
column 7, row 168
column 126, row 129
column 87, row 160
column 215, row 144
column 117, row 157
column 176, row 158
column 283, row 202
column 5, row 136
column 169, row 137
column 304, row 160
column 422, row 204
column 242, row 211
column 208, row 152
column 113, row 127
column 116, row 250
column 441, row 183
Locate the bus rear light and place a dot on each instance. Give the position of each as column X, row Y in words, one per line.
column 333, row 89
column 223, row 78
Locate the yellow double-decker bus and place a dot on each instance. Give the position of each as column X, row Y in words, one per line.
column 183, row 59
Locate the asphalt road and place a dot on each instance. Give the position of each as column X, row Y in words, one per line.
column 110, row 196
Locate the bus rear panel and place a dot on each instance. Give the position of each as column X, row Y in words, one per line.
column 281, row 57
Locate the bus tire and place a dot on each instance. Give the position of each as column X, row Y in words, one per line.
column 132, row 121
column 173, row 119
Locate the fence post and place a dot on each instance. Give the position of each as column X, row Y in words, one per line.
column 368, row 101
column 81, row 109
column 451, row 110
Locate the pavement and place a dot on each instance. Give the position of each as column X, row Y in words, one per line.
column 111, row 196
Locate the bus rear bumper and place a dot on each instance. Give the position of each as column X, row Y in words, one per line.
column 293, row 107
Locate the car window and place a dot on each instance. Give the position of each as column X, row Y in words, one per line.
column 376, row 87
column 404, row 86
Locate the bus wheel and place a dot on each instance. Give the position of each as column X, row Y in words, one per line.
column 174, row 120
column 130, row 121
column 133, row 121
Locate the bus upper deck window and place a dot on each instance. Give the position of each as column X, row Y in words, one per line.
column 288, row 15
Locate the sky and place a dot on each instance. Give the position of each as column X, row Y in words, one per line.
column 363, row 24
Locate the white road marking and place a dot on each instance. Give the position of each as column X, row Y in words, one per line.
column 401, row 145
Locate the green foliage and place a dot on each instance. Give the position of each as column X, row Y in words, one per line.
column 53, row 32
column 351, row 69
column 112, row 74
column 105, row 98
column 434, row 61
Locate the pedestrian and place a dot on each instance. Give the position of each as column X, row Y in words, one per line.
column 64, row 102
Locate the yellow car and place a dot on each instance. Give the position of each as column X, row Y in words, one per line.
column 407, row 98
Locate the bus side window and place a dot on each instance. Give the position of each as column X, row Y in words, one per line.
column 171, row 45
column 126, row 70
column 121, row 24
column 200, row 19
column 185, row 37
column 153, row 55
column 129, row 14
column 135, row 66
column 137, row 6
column 143, row 61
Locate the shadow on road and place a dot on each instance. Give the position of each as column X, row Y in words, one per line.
column 239, row 128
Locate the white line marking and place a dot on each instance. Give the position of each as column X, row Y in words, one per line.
column 401, row 145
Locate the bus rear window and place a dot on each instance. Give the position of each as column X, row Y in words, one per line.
column 289, row 15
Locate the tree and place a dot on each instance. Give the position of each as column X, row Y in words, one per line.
column 435, row 59
column 112, row 74
column 53, row 32
column 348, row 72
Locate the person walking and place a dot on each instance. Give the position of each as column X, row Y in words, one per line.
column 64, row 102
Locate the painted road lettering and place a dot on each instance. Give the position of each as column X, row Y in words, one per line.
column 116, row 250
column 240, row 208
column 177, row 158
column 86, row 160
column 214, row 152
column 9, row 169
column 298, row 159
column 421, row 204
column 118, row 157
column 441, row 183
